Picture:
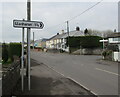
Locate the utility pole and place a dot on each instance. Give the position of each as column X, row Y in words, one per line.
column 68, row 35
column 28, row 42
column 33, row 40
column 22, row 61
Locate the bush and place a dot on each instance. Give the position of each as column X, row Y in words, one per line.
column 113, row 47
column 106, row 53
column 4, row 53
column 15, row 49
column 84, row 42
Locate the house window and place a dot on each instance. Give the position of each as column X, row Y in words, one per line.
column 62, row 40
column 62, row 46
column 116, row 39
column 65, row 47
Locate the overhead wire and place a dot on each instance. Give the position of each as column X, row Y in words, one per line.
column 85, row 10
column 76, row 15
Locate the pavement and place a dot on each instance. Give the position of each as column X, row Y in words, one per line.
column 96, row 75
column 46, row 81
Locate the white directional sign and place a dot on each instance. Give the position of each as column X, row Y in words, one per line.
column 103, row 41
column 27, row 24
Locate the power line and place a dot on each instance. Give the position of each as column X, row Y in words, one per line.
column 77, row 15
column 85, row 10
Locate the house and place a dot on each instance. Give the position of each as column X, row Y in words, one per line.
column 43, row 42
column 114, row 39
column 50, row 42
column 37, row 43
column 59, row 41
column 40, row 43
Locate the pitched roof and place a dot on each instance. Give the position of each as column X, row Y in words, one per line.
column 113, row 35
column 64, row 35
column 44, row 40
column 74, row 33
column 38, row 41
column 52, row 37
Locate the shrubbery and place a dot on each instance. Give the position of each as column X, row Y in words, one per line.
column 14, row 49
column 84, row 42
column 9, row 50
column 113, row 47
column 107, row 54
column 4, row 52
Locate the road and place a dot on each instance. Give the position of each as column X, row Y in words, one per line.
column 102, row 79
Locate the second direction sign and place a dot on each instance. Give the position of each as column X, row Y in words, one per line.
column 27, row 24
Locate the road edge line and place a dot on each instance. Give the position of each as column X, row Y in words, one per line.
column 73, row 80
column 83, row 86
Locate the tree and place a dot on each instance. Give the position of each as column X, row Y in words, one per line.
column 93, row 32
column 86, row 31
column 106, row 33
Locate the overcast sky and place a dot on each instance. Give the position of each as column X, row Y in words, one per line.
column 104, row 16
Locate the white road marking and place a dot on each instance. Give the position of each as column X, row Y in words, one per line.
column 82, row 86
column 107, row 71
column 72, row 79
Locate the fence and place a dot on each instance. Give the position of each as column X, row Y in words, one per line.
column 10, row 78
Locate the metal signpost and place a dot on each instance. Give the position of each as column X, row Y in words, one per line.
column 22, row 60
column 103, row 41
column 26, row 24
column 28, row 43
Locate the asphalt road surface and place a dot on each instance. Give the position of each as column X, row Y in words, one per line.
column 102, row 79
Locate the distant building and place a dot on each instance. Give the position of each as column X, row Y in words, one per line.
column 37, row 43
column 114, row 39
column 40, row 43
column 59, row 41
column 119, row 16
column 43, row 42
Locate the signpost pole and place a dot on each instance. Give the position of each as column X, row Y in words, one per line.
column 33, row 40
column 27, row 24
column 103, row 41
column 28, row 42
column 22, row 60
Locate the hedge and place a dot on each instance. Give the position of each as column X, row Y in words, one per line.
column 4, row 52
column 84, row 42
column 14, row 49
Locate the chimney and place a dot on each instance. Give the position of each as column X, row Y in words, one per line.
column 115, row 30
column 77, row 29
column 62, row 31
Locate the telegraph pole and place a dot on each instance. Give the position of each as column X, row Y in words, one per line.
column 28, row 42
column 68, row 36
